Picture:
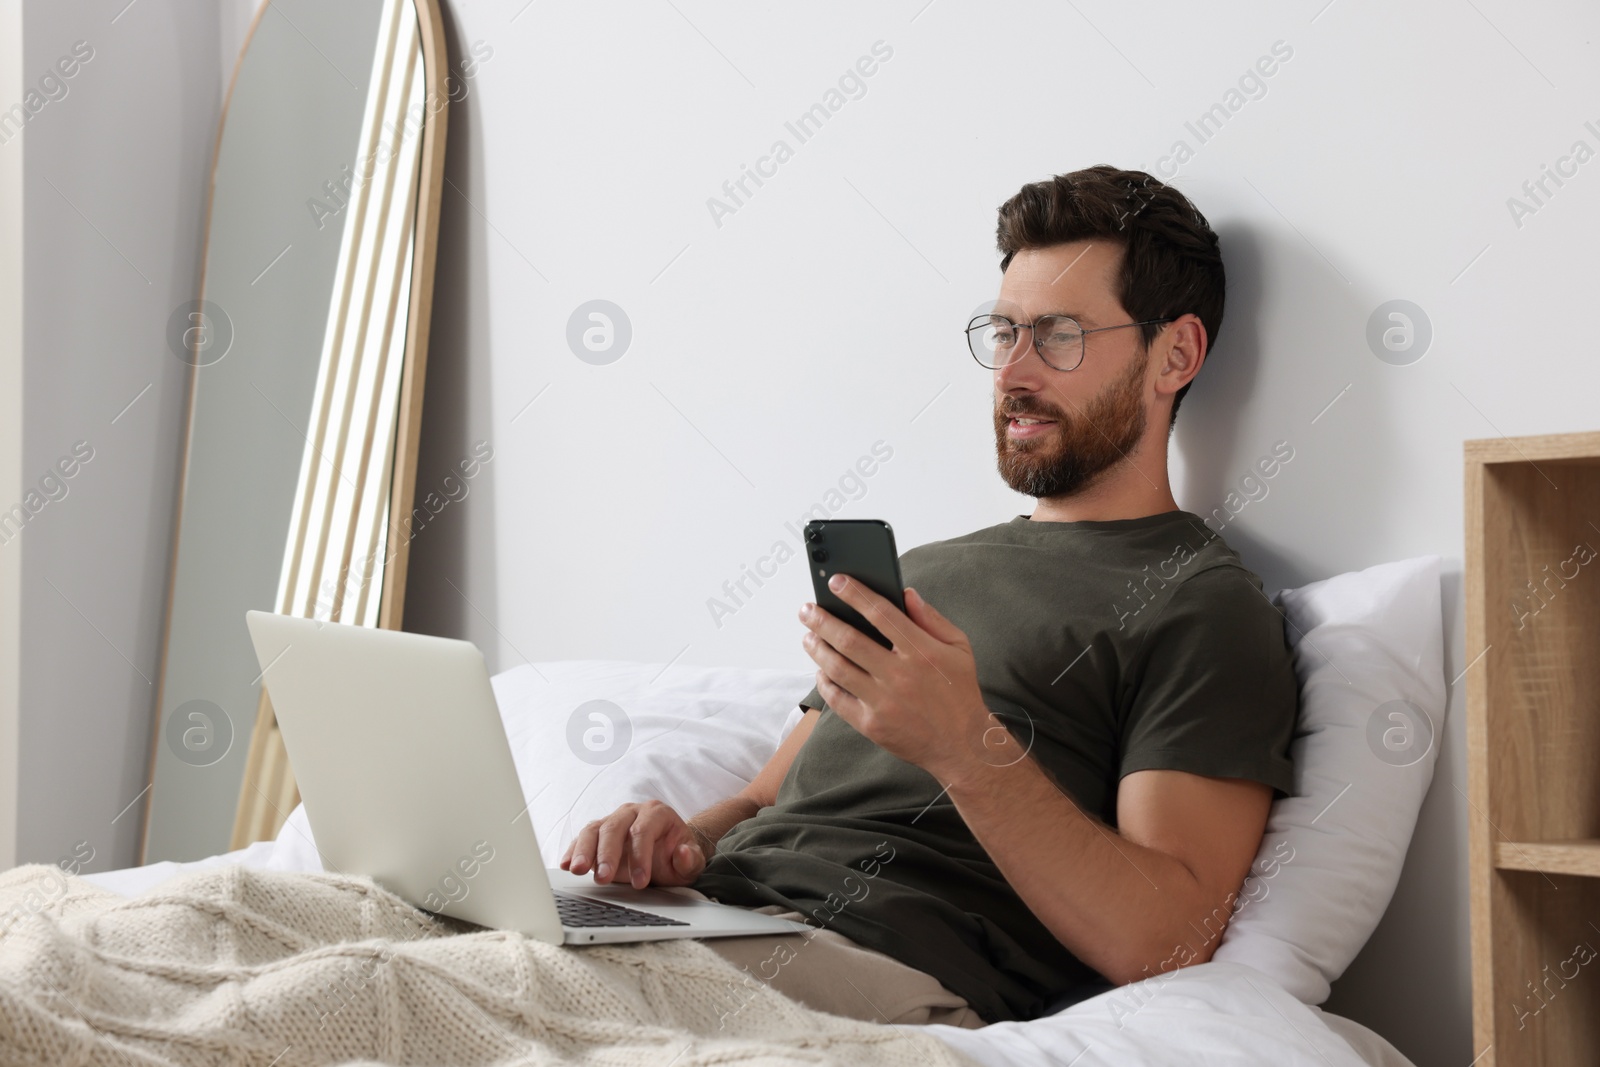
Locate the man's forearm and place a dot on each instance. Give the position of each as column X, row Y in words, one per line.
column 1120, row 907
column 709, row 826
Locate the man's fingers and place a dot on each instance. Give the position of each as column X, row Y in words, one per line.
column 849, row 642
column 844, row 703
column 932, row 620
column 656, row 824
column 836, row 664
column 637, row 843
column 890, row 620
column 688, row 861
column 679, row 859
column 612, row 849
column 642, row 846
column 637, row 864
column 582, row 849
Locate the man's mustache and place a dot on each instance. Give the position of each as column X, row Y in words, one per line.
column 1029, row 411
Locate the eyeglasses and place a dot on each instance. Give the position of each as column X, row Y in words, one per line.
column 1058, row 340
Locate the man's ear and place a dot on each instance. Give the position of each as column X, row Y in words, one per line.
column 1180, row 352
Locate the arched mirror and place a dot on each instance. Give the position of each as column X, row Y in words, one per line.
column 307, row 348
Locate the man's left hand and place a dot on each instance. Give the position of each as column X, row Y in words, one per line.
column 918, row 700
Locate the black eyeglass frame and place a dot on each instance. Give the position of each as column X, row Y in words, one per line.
column 1083, row 345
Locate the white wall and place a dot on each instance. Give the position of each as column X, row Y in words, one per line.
column 116, row 172
column 824, row 315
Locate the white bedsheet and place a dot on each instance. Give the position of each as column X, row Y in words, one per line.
column 1217, row 1013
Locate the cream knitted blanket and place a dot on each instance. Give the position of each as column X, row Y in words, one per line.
column 244, row 967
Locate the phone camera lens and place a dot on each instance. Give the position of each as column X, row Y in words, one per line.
column 813, row 534
column 819, row 555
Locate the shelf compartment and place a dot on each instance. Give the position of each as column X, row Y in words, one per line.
column 1580, row 857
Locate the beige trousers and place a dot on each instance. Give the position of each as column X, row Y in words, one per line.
column 827, row 971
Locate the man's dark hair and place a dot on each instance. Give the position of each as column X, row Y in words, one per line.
column 1171, row 263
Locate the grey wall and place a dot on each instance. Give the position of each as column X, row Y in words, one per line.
column 11, row 81
column 116, row 174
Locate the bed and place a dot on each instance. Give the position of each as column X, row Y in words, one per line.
column 588, row 735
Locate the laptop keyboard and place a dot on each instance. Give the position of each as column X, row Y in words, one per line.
column 582, row 911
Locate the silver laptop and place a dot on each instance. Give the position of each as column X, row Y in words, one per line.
column 403, row 764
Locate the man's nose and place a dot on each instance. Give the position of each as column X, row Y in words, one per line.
column 1024, row 374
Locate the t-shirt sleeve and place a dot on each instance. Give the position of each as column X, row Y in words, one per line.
column 813, row 700
column 1212, row 688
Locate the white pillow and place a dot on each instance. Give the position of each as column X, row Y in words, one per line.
column 698, row 735
column 1369, row 655
column 588, row 735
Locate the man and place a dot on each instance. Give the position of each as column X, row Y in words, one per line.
column 1061, row 773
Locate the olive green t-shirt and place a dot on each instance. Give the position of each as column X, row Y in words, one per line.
column 1104, row 648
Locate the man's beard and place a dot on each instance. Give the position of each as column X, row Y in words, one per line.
column 1081, row 448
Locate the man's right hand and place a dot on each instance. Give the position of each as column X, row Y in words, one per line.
column 646, row 844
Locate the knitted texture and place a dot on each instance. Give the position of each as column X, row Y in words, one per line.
column 269, row 969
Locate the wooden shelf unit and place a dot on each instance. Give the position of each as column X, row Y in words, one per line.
column 1552, row 857
column 1533, row 747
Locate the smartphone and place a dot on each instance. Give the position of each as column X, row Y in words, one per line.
column 862, row 549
